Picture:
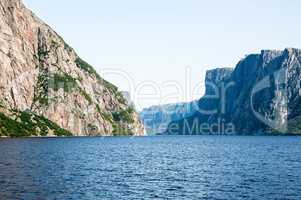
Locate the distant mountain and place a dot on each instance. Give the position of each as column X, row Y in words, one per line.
column 46, row 89
column 157, row 118
column 260, row 96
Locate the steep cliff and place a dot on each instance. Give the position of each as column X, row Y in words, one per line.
column 47, row 89
column 261, row 96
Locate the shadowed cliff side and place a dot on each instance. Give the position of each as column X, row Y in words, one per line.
column 260, row 96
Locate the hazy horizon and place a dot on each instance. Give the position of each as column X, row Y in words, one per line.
column 156, row 41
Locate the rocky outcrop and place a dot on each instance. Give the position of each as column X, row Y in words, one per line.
column 260, row 96
column 43, row 77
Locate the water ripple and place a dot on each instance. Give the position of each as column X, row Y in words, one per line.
column 200, row 167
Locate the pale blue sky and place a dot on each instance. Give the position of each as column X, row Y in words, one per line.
column 157, row 39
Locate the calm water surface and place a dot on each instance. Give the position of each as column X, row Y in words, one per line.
column 204, row 167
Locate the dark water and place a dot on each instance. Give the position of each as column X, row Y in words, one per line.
column 205, row 167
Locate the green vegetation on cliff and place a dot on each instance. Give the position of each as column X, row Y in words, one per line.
column 121, row 120
column 65, row 81
column 120, row 130
column 24, row 124
column 41, row 89
column 294, row 126
column 89, row 69
column 124, row 115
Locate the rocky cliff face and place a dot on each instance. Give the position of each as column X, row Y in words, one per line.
column 260, row 96
column 47, row 89
column 157, row 118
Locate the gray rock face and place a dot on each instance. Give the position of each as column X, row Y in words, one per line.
column 261, row 96
column 42, row 75
column 215, row 77
column 157, row 118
